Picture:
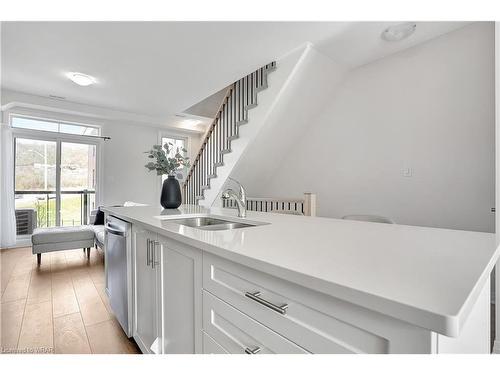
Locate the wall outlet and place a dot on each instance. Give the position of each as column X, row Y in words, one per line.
column 407, row 172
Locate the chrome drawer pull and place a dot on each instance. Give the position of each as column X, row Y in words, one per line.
column 252, row 351
column 256, row 297
column 148, row 252
column 154, row 263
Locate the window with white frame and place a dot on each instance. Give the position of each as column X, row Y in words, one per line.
column 31, row 123
column 176, row 143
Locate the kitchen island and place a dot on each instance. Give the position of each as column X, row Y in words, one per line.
column 294, row 284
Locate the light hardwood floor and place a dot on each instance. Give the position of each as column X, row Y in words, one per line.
column 59, row 307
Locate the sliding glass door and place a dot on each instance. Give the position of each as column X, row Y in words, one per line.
column 78, row 181
column 55, row 181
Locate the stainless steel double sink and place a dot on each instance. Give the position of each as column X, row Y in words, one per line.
column 211, row 223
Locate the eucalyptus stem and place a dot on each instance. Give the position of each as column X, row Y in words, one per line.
column 165, row 164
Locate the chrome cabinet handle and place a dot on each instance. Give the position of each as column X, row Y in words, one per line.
column 114, row 231
column 252, row 351
column 148, row 252
column 154, row 263
column 152, row 254
column 256, row 297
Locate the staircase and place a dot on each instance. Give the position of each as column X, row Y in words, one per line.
column 233, row 112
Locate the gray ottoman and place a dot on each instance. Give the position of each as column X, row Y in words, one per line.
column 99, row 235
column 45, row 240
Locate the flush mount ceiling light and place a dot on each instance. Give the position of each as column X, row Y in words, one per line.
column 81, row 79
column 399, row 32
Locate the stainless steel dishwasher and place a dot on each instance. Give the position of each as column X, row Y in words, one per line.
column 118, row 270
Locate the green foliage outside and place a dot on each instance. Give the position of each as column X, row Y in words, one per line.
column 70, row 210
column 36, row 170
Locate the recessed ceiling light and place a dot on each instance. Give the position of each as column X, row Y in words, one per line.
column 190, row 122
column 399, row 32
column 81, row 79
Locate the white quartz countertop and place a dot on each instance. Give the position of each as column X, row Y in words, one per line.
column 425, row 276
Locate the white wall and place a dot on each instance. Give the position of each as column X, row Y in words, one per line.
column 260, row 119
column 495, row 278
column 313, row 81
column 429, row 108
column 125, row 177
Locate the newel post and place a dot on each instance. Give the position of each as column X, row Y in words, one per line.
column 309, row 204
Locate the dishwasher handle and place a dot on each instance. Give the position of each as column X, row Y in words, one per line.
column 114, row 231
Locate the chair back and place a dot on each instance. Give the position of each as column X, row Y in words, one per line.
column 370, row 218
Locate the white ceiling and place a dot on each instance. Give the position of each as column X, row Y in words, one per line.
column 161, row 68
column 359, row 43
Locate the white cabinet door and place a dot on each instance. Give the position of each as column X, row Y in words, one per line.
column 147, row 268
column 182, row 297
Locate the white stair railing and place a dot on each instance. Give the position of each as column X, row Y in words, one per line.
column 300, row 206
column 233, row 112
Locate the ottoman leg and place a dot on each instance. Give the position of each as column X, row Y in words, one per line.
column 39, row 259
column 88, row 252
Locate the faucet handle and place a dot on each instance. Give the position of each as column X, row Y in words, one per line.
column 225, row 194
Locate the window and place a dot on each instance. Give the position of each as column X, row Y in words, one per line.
column 55, row 177
column 180, row 143
column 31, row 123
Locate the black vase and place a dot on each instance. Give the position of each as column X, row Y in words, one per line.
column 171, row 193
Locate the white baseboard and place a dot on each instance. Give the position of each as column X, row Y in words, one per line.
column 23, row 242
column 496, row 347
column 20, row 242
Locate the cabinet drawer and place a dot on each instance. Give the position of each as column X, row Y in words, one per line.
column 314, row 321
column 210, row 346
column 239, row 334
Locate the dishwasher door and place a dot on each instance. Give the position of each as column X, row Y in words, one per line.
column 118, row 270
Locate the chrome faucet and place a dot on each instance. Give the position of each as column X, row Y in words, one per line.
column 241, row 198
